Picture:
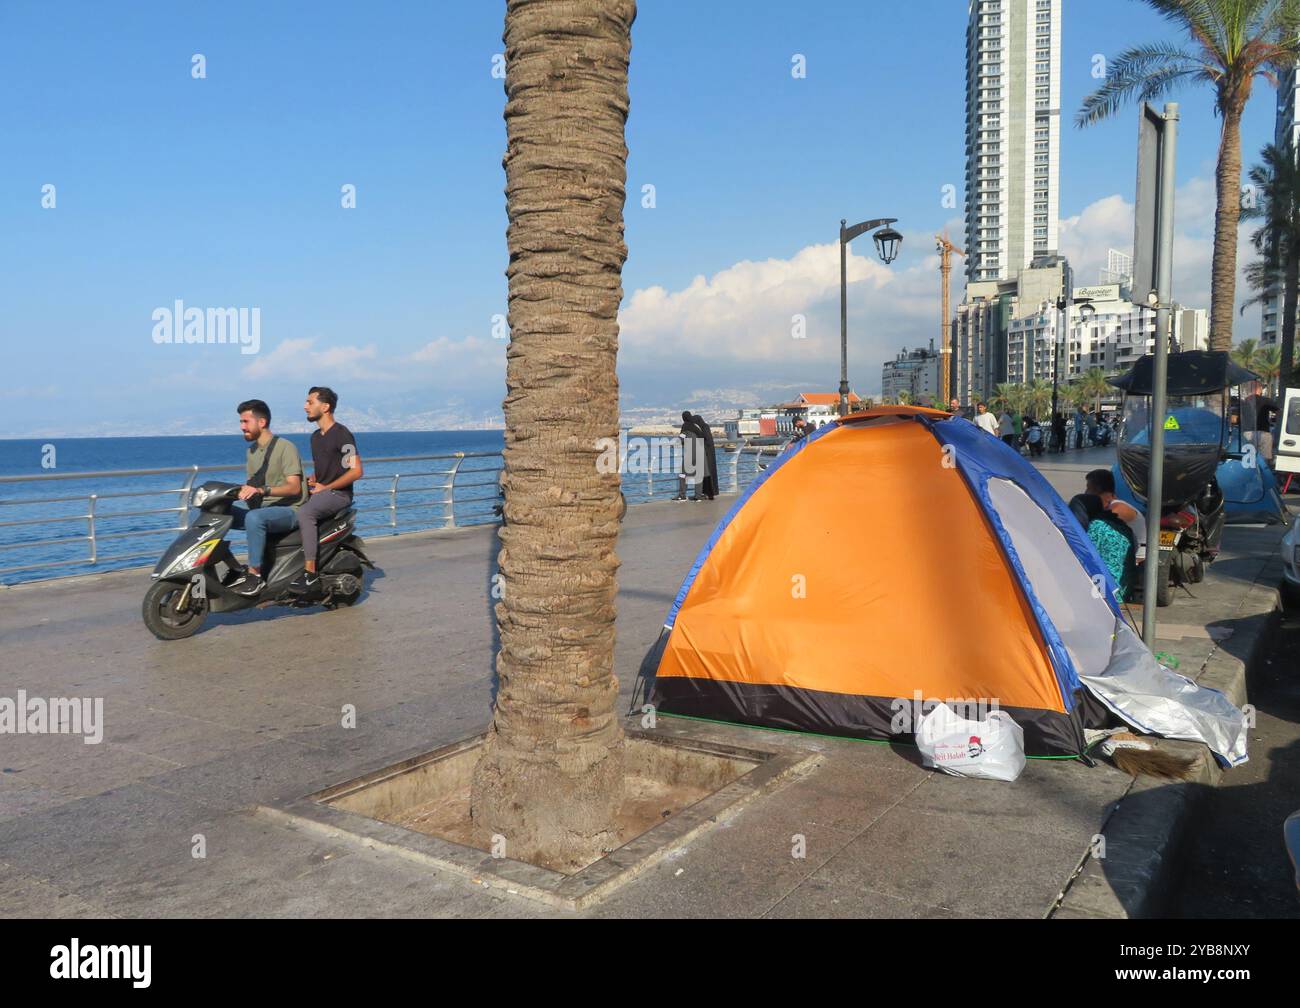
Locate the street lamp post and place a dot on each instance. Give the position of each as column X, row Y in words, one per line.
column 888, row 241
column 1062, row 306
column 1086, row 312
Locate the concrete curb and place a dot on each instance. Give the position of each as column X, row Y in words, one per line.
column 1144, row 835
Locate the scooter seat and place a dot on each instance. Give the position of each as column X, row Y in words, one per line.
column 291, row 538
column 294, row 536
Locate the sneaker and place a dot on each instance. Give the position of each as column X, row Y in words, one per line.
column 248, row 585
column 680, row 497
column 305, row 584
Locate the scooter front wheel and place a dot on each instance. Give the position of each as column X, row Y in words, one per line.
column 162, row 617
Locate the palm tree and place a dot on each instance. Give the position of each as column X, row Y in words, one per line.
column 904, row 398
column 1038, row 399
column 1096, row 386
column 1244, row 353
column 1233, row 42
column 1277, row 240
column 1268, row 365
column 1002, row 398
column 550, row 779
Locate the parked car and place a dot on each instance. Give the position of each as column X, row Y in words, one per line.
column 1291, row 564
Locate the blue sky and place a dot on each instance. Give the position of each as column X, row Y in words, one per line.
column 225, row 191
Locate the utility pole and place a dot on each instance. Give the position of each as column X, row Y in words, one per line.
column 1164, row 290
column 945, row 249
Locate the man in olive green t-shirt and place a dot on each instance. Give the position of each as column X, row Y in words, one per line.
column 279, row 489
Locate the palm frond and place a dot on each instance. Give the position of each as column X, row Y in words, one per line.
column 1145, row 71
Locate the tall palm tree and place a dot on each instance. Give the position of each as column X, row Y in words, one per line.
column 1277, row 240
column 550, row 780
column 1232, row 43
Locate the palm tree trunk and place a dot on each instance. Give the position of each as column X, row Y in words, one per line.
column 550, row 780
column 1227, row 214
column 1290, row 289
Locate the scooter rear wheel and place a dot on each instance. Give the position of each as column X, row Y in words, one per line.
column 1164, row 586
column 163, row 619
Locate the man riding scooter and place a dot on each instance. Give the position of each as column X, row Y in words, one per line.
column 272, row 493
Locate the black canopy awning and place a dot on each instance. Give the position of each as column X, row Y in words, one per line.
column 1191, row 372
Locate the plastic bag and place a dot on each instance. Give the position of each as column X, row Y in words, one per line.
column 993, row 749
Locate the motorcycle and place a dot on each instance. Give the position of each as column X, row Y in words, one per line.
column 1197, row 438
column 192, row 578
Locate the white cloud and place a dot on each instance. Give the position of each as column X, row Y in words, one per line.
column 734, row 327
column 1108, row 223
column 746, row 311
column 298, row 359
column 447, row 352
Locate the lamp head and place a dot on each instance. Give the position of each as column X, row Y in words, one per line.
column 888, row 242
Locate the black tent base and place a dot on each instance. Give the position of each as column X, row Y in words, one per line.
column 880, row 719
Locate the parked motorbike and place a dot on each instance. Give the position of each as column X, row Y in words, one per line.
column 1197, row 439
column 192, row 578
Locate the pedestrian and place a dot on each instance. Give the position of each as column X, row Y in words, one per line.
column 699, row 463
column 1007, row 428
column 985, row 420
column 1080, row 422
column 1033, row 437
column 692, row 451
column 1258, row 412
column 1058, row 432
column 709, row 469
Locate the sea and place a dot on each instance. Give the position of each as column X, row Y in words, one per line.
column 133, row 525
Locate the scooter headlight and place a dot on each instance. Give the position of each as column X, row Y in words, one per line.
column 195, row 556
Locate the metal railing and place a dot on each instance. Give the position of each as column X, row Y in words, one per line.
column 404, row 508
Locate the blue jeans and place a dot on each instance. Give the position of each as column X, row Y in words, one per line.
column 257, row 523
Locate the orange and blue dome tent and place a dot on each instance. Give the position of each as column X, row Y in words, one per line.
column 901, row 556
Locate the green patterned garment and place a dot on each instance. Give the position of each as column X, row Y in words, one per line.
column 1113, row 545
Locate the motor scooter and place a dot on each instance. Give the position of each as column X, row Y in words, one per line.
column 193, row 577
column 1196, row 439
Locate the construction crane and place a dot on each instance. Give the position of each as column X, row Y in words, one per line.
column 945, row 248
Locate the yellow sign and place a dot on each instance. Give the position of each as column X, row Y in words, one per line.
column 1171, row 424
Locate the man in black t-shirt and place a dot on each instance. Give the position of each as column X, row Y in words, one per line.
column 337, row 467
column 1258, row 414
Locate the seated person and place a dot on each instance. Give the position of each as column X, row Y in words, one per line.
column 337, row 467
column 272, row 494
column 1112, row 526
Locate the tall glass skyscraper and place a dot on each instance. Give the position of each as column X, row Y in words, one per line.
column 1286, row 135
column 1013, row 135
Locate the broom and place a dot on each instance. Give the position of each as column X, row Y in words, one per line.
column 1138, row 756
